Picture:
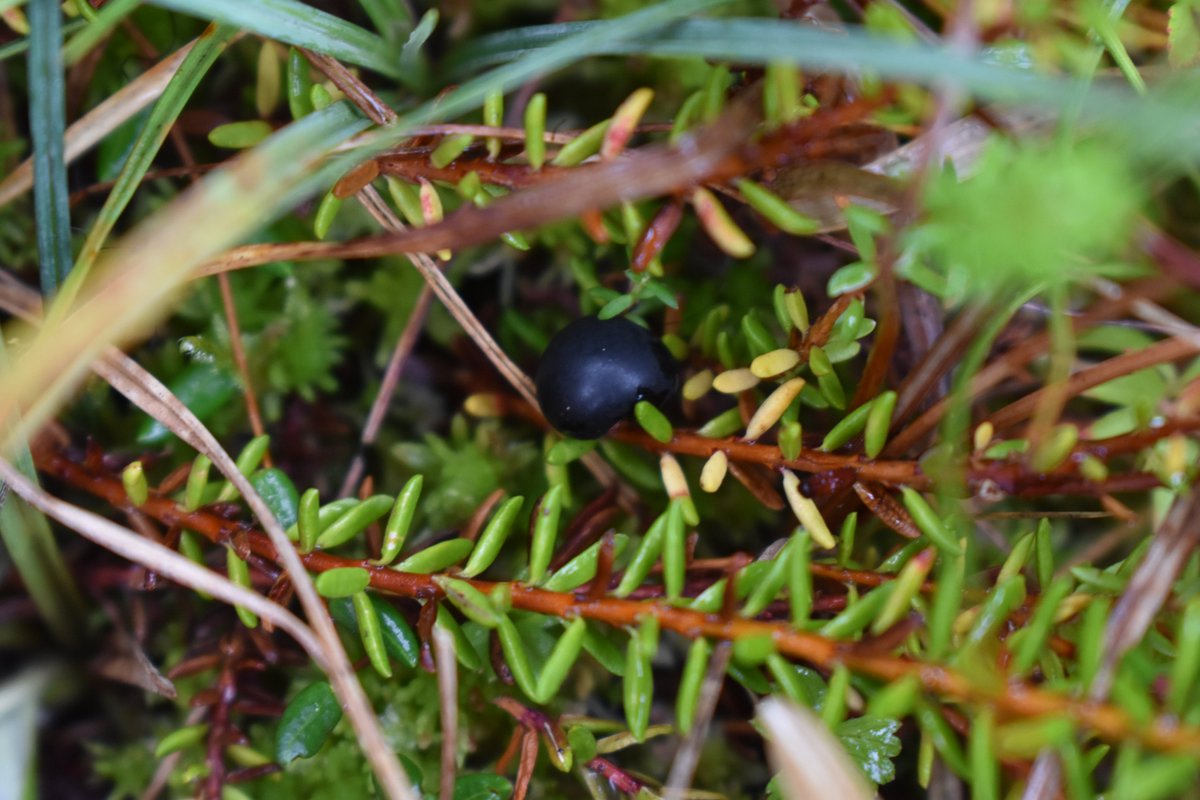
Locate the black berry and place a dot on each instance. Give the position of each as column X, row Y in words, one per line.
column 595, row 371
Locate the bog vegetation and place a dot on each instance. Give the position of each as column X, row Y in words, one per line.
column 282, row 517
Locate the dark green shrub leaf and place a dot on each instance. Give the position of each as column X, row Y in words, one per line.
column 203, row 388
column 482, row 786
column 279, row 493
column 306, row 723
column 399, row 639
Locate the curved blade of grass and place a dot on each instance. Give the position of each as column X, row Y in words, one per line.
column 183, row 83
column 755, row 40
column 102, row 120
column 301, row 25
column 511, row 45
column 392, row 18
column 1160, row 124
column 584, row 41
column 94, row 32
column 47, row 110
column 414, row 64
column 133, row 282
column 1104, row 21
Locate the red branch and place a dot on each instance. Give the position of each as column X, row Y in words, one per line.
column 1011, row 700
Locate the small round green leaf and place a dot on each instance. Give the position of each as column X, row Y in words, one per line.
column 239, row 135
column 342, row 582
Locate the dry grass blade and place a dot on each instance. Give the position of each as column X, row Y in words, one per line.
column 680, row 778
column 650, row 172
column 1149, row 587
column 1045, row 779
column 379, row 112
column 447, row 678
column 135, row 281
column 149, row 394
column 387, row 388
column 102, row 120
column 811, row 761
column 1130, row 619
column 437, row 281
column 156, row 400
column 1162, row 352
column 162, row 560
column 446, row 293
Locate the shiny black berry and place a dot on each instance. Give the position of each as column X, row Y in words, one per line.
column 595, row 371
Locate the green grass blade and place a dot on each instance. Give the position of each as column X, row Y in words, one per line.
column 94, row 32
column 26, row 535
column 1160, row 124
column 580, row 43
column 301, row 25
column 505, row 46
column 47, row 125
column 391, row 18
column 141, row 155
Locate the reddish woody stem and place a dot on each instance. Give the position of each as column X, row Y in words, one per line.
column 1011, row 699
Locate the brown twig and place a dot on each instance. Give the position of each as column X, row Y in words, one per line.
column 720, row 153
column 1009, row 477
column 682, row 770
column 239, row 359
column 1162, row 352
column 387, row 388
column 1010, row 363
column 1013, row 699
